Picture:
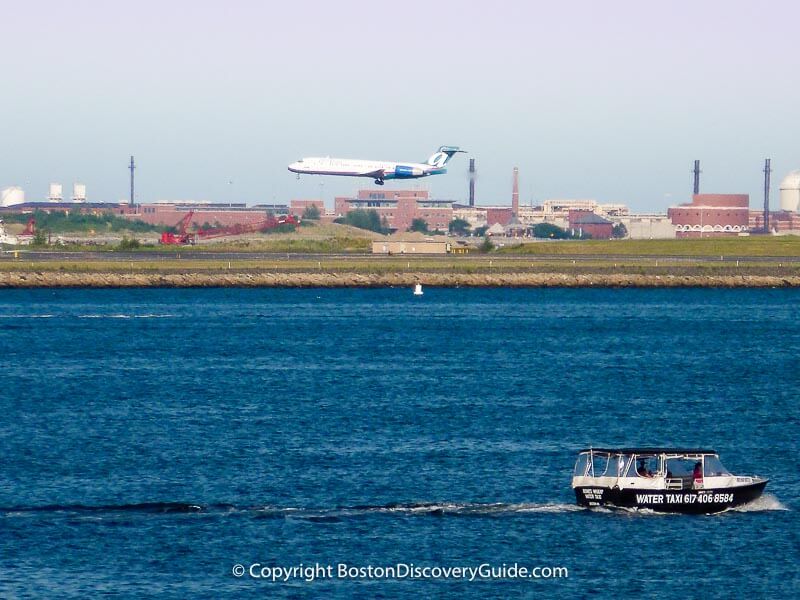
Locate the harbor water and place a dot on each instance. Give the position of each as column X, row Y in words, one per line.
column 154, row 441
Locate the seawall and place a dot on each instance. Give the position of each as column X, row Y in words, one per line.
column 46, row 279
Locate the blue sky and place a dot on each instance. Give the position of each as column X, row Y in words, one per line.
column 611, row 101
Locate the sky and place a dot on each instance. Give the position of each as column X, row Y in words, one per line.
column 605, row 100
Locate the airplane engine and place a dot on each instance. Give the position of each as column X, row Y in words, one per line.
column 403, row 172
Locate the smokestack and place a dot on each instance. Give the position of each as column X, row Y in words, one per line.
column 696, row 177
column 515, row 194
column 472, row 182
column 767, row 171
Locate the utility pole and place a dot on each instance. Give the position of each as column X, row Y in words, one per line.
column 767, row 171
column 132, row 167
column 471, row 182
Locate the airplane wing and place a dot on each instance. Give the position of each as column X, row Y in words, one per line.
column 379, row 174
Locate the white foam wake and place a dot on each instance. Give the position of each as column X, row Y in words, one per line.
column 123, row 316
column 762, row 503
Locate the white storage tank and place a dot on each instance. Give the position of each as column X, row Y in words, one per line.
column 79, row 192
column 790, row 192
column 12, row 196
column 56, row 193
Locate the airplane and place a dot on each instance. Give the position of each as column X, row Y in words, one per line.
column 379, row 170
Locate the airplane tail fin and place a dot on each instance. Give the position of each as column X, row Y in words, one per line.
column 443, row 155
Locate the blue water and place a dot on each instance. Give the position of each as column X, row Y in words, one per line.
column 150, row 440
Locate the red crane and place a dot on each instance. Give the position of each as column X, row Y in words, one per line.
column 30, row 228
column 183, row 236
column 241, row 228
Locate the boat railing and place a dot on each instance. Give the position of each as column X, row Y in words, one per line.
column 674, row 484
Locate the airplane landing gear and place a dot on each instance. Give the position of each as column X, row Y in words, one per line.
column 379, row 182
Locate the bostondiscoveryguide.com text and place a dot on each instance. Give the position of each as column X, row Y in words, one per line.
column 398, row 571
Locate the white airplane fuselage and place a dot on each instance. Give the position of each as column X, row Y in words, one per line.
column 353, row 167
column 376, row 169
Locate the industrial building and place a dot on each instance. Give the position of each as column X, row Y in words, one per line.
column 642, row 226
column 410, row 247
column 719, row 215
column 557, row 212
column 87, row 208
column 712, row 215
column 585, row 223
column 519, row 220
column 213, row 213
column 399, row 208
column 787, row 219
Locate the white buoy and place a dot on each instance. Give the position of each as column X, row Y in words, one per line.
column 418, row 289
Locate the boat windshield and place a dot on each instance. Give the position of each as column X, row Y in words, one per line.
column 619, row 462
column 712, row 467
column 680, row 467
column 599, row 464
column 643, row 466
column 581, row 465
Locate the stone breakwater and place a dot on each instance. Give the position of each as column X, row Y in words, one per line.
column 44, row 279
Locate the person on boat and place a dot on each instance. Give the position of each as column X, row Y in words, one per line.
column 641, row 469
column 697, row 474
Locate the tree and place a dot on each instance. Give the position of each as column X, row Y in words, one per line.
column 363, row 219
column 549, row 231
column 486, row 246
column 481, row 231
column 619, row 231
column 420, row 225
column 311, row 213
column 459, row 227
column 39, row 238
column 129, row 244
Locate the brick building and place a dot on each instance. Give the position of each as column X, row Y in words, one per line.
column 779, row 221
column 170, row 213
column 584, row 222
column 400, row 207
column 498, row 214
column 712, row 215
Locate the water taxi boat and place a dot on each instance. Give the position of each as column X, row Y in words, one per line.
column 685, row 480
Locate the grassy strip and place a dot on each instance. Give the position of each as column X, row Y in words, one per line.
column 298, row 246
column 295, row 246
column 357, row 265
column 734, row 246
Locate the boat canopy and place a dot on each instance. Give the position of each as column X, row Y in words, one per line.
column 650, row 450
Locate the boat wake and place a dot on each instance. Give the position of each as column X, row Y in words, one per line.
column 88, row 316
column 312, row 514
column 767, row 502
column 764, row 503
column 125, row 316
